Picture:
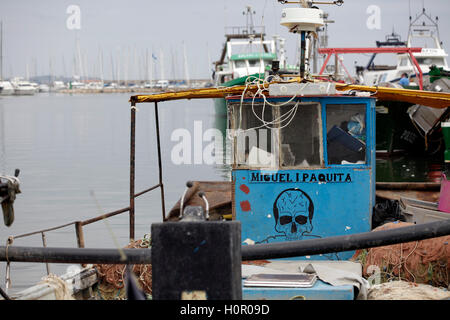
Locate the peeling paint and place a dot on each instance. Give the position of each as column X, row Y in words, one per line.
column 249, row 241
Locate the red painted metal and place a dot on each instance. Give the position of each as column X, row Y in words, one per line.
column 410, row 51
column 368, row 50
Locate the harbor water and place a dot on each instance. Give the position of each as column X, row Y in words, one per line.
column 73, row 153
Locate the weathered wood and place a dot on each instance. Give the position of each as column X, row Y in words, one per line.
column 408, row 185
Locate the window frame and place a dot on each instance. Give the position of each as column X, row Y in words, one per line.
column 368, row 128
column 234, row 115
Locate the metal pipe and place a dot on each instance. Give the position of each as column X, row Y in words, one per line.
column 40, row 231
column 346, row 243
column 104, row 216
column 147, row 190
column 132, row 166
column 75, row 255
column 44, row 243
column 189, row 185
column 4, row 294
column 158, row 142
column 79, row 233
column 249, row 252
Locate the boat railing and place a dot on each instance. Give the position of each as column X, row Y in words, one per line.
column 244, row 31
column 132, row 196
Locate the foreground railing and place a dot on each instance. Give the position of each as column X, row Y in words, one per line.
column 276, row 250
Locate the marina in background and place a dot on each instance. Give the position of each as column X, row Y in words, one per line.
column 352, row 155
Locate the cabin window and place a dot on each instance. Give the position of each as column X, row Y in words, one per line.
column 253, row 140
column 285, row 135
column 254, row 63
column 300, row 135
column 240, row 64
column 346, row 133
column 404, row 62
column 430, row 61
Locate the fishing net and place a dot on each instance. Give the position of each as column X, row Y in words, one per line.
column 61, row 289
column 403, row 290
column 425, row 261
column 111, row 285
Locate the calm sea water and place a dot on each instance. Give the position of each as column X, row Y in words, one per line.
column 67, row 146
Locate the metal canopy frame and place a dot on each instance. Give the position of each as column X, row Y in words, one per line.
column 336, row 51
column 160, row 185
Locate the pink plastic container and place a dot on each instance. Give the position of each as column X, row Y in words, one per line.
column 444, row 197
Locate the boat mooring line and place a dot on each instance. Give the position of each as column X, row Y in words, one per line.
column 288, row 249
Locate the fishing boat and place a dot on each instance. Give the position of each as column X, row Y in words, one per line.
column 285, row 226
column 406, row 128
column 44, row 88
column 22, row 87
column 246, row 54
column 7, row 88
column 57, row 86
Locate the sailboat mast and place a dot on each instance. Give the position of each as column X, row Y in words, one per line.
column 186, row 69
column 1, row 50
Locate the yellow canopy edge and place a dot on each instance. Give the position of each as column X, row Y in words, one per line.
column 426, row 98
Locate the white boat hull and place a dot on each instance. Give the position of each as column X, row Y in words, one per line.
column 7, row 88
column 24, row 92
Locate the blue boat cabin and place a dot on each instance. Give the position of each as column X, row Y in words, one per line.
column 303, row 167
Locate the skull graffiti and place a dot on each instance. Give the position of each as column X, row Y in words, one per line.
column 293, row 212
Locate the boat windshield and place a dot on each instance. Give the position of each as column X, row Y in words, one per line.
column 254, row 63
column 262, row 140
column 346, row 138
column 301, row 139
column 240, row 64
column 430, row 61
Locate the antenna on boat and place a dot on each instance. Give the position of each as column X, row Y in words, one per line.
column 249, row 14
column 305, row 20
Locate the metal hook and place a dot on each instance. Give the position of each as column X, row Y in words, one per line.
column 189, row 185
column 201, row 194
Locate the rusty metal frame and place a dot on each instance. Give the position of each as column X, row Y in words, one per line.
column 336, row 51
column 160, row 184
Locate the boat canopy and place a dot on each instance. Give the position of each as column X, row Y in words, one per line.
column 432, row 99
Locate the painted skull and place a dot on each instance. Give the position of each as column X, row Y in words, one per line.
column 293, row 211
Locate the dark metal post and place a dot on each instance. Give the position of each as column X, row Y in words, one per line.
column 79, row 233
column 132, row 167
column 302, row 53
column 44, row 243
column 163, row 206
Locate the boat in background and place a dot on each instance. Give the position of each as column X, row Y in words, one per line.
column 246, row 53
column 7, row 88
column 23, row 87
column 58, row 85
column 44, row 88
column 424, row 28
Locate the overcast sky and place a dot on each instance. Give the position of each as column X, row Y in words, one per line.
column 36, row 33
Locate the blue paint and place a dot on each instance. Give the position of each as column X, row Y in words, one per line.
column 320, row 291
column 331, row 199
column 196, row 249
